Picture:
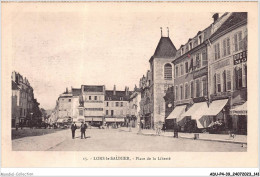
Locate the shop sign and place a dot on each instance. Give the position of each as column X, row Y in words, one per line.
column 240, row 57
column 222, row 64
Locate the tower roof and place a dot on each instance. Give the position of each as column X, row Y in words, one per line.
column 165, row 48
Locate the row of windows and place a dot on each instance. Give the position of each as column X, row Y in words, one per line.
column 111, row 112
column 222, row 82
column 192, row 44
column 109, row 98
column 196, row 62
column 117, row 104
column 89, row 98
column 193, row 89
column 94, row 109
column 238, row 45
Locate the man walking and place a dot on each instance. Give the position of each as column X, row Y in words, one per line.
column 73, row 129
column 83, row 130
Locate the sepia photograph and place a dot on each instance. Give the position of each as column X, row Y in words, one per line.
column 129, row 79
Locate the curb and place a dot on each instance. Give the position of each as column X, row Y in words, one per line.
column 223, row 141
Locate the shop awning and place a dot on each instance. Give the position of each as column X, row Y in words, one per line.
column 110, row 119
column 216, row 106
column 196, row 112
column 115, row 119
column 177, row 112
column 239, row 110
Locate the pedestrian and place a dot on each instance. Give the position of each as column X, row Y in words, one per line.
column 73, row 129
column 164, row 127
column 83, row 130
column 16, row 126
column 86, row 126
column 175, row 128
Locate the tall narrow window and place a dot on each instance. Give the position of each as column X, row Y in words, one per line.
column 197, row 88
column 198, row 61
column 89, row 97
column 106, row 112
column 204, row 86
column 182, row 72
column 224, row 81
column 181, row 90
column 190, row 45
column 228, row 46
column 200, row 39
column 217, row 51
column 168, row 71
column 191, row 65
column 186, row 67
column 244, row 77
column 191, row 89
column 228, row 80
column 215, row 83
column 186, row 91
column 177, row 71
column 176, row 93
column 239, row 77
column 224, row 47
column 95, row 97
column 204, row 58
column 107, row 103
column 218, row 83
column 112, row 112
column 238, row 42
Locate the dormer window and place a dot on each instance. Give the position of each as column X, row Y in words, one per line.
column 200, row 39
column 190, row 45
column 182, row 50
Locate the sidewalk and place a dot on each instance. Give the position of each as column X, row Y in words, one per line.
column 238, row 139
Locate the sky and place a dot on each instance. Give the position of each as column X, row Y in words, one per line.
column 92, row 44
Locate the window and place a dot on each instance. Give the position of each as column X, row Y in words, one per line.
column 238, row 42
column 191, row 89
column 224, row 81
column 191, row 64
column 117, row 104
column 238, row 77
column 177, row 71
column 106, row 112
column 244, row 75
column 81, row 112
column 198, row 62
column 176, row 93
column 200, row 39
column 197, row 88
column 204, row 86
column 89, row 98
column 95, row 97
column 190, row 45
column 69, row 100
column 226, row 47
column 218, row 83
column 122, row 104
column 186, row 91
column 167, row 71
column 121, row 98
column 182, row 69
column 181, row 92
column 107, row 103
column 228, row 80
column 217, row 51
column 186, row 67
column 182, row 50
column 215, row 83
column 112, row 112
column 204, row 58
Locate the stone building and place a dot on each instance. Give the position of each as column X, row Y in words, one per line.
column 159, row 79
column 93, row 103
column 227, row 49
column 25, row 107
column 134, row 106
column 116, row 106
column 65, row 105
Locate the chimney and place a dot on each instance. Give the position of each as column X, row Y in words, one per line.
column 215, row 17
column 67, row 90
column 168, row 31
column 114, row 91
column 126, row 90
column 161, row 31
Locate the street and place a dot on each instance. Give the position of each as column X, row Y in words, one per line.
column 122, row 140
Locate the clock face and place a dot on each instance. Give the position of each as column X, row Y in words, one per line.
column 169, row 105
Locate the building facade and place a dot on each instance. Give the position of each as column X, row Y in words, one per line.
column 134, row 107
column 228, row 70
column 25, row 108
column 116, row 106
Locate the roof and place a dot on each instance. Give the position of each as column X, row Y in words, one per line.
column 165, row 48
column 75, row 91
column 234, row 18
column 117, row 96
column 93, row 88
column 14, row 86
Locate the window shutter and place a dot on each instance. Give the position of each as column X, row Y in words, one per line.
column 235, row 79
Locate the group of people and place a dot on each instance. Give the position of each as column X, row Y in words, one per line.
column 83, row 128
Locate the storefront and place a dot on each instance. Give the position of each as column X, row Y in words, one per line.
column 239, row 118
column 175, row 116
